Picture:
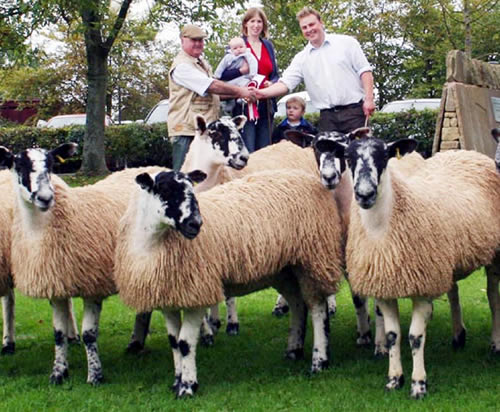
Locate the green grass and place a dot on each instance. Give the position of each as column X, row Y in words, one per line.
column 248, row 372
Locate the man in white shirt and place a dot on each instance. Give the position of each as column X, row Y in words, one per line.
column 193, row 90
column 336, row 74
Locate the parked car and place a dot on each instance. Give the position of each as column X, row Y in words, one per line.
column 159, row 113
column 310, row 108
column 64, row 120
column 404, row 105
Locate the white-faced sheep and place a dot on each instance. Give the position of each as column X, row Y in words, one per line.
column 418, row 235
column 6, row 279
column 252, row 229
column 63, row 244
column 214, row 146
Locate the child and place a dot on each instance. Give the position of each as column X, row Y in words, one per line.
column 295, row 109
column 238, row 52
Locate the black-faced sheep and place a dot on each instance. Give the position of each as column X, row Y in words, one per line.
column 420, row 234
column 241, row 248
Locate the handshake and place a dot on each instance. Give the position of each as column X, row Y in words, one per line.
column 251, row 93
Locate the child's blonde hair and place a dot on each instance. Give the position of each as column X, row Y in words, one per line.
column 299, row 100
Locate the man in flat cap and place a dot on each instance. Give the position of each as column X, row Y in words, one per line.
column 193, row 91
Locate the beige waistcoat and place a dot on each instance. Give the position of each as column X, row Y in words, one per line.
column 185, row 104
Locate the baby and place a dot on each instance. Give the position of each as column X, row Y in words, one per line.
column 234, row 59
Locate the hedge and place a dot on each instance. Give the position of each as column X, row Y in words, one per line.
column 129, row 145
column 135, row 145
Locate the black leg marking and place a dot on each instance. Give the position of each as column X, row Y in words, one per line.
column 9, row 348
column 184, row 347
column 173, row 342
column 58, row 337
column 391, row 339
column 415, row 341
column 459, row 341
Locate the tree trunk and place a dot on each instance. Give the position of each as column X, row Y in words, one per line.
column 93, row 161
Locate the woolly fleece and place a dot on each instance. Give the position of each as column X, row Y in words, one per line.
column 71, row 252
column 444, row 224
column 297, row 224
column 6, row 203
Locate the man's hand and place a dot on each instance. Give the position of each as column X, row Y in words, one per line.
column 248, row 94
column 368, row 107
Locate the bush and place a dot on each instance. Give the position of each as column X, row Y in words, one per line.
column 419, row 125
column 130, row 145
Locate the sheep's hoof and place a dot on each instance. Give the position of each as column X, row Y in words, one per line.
column 9, row 348
column 76, row 340
column 186, row 390
column 177, row 384
column 57, row 377
column 458, row 342
column 418, row 389
column 95, row 379
column 207, row 340
column 319, row 365
column 380, row 351
column 364, row 340
column 135, row 347
column 495, row 348
column 233, row 329
column 295, row 354
column 395, row 382
column 215, row 324
column 280, row 311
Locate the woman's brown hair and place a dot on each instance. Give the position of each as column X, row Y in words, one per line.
column 250, row 14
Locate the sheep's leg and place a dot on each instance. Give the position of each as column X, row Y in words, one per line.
column 73, row 335
column 207, row 331
column 422, row 312
column 321, row 333
column 60, row 315
column 233, row 325
column 90, row 332
column 459, row 331
column 281, row 307
column 362, row 321
column 188, row 339
column 214, row 318
column 332, row 304
column 140, row 333
column 494, row 302
column 173, row 324
column 298, row 322
column 9, row 323
column 390, row 311
column 381, row 349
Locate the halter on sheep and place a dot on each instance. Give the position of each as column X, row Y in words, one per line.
column 395, row 212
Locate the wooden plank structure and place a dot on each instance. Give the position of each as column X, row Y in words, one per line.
column 470, row 105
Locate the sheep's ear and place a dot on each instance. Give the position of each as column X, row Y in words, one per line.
column 145, row 181
column 6, row 157
column 200, row 123
column 359, row 133
column 401, row 147
column 331, row 146
column 64, row 151
column 299, row 138
column 239, row 121
column 495, row 133
column 197, row 176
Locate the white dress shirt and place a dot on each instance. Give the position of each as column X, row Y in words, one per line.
column 331, row 72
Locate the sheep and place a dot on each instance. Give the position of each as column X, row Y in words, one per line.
column 496, row 136
column 6, row 280
column 240, row 249
column 63, row 244
column 450, row 201
column 214, row 146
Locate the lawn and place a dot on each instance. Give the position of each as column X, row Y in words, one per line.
column 248, row 372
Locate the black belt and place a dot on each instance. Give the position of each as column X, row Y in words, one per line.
column 339, row 108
